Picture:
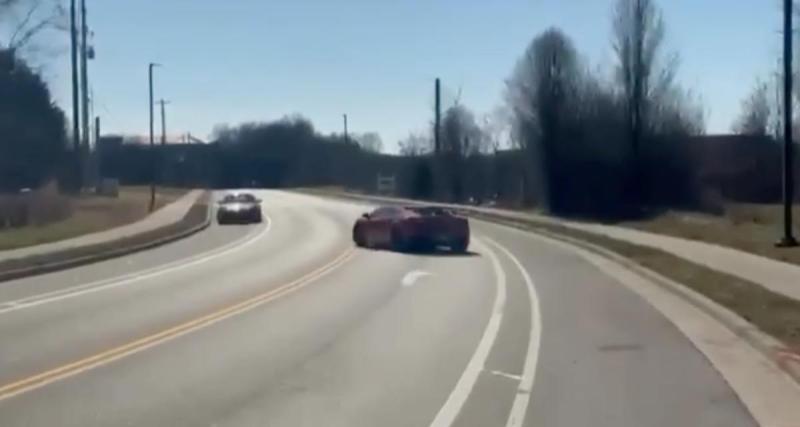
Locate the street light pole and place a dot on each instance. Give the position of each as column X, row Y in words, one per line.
column 788, row 239
column 152, row 141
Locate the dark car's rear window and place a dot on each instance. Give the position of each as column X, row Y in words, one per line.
column 239, row 198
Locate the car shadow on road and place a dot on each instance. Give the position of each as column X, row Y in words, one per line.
column 444, row 253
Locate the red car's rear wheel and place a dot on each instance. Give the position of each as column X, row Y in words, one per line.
column 358, row 237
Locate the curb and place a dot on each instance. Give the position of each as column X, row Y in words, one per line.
column 50, row 267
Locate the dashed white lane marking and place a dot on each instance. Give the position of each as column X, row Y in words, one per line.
column 449, row 411
column 506, row 375
column 61, row 294
column 516, row 417
column 412, row 277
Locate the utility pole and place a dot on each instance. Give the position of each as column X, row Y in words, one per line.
column 76, row 132
column 346, row 139
column 84, row 81
column 163, row 102
column 778, row 109
column 162, row 154
column 788, row 239
column 86, row 161
column 437, row 118
column 152, row 141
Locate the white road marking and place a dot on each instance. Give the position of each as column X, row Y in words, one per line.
column 516, row 417
column 411, row 278
column 449, row 411
column 507, row 375
column 61, row 294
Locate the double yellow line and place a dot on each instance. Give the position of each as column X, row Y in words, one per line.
column 108, row 356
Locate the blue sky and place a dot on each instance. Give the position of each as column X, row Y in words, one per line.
column 242, row 60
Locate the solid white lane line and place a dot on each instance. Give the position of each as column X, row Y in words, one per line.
column 449, row 411
column 516, row 417
column 412, row 277
column 61, row 294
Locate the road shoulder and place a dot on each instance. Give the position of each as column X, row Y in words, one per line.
column 768, row 392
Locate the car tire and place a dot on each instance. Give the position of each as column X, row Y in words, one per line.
column 358, row 238
column 257, row 218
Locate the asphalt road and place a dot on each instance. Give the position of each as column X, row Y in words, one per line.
column 286, row 324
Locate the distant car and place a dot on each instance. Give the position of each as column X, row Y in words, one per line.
column 239, row 208
column 412, row 228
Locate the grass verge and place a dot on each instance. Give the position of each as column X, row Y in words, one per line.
column 193, row 220
column 747, row 227
column 90, row 214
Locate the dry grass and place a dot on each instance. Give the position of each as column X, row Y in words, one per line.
column 748, row 227
column 90, row 214
column 194, row 218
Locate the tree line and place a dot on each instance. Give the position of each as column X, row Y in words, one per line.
column 584, row 143
column 288, row 152
column 577, row 142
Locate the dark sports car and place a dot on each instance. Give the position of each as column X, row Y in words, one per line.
column 239, row 208
column 412, row 228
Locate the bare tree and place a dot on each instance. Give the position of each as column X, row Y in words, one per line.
column 542, row 86
column 369, row 141
column 496, row 128
column 755, row 115
column 542, row 95
column 21, row 21
column 461, row 134
column 6, row 6
column 415, row 144
column 644, row 72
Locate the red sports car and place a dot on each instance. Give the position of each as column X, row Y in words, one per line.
column 411, row 228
